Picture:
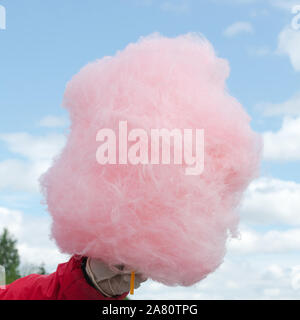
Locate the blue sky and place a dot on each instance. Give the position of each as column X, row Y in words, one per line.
column 46, row 42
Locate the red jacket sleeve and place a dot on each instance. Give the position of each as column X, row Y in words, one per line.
column 66, row 283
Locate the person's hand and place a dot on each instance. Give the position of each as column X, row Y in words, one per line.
column 111, row 281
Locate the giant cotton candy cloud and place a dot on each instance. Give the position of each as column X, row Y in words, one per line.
column 171, row 226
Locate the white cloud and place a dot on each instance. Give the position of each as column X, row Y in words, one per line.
column 34, row 147
column 289, row 107
column 20, row 175
column 296, row 277
column 37, row 153
column 238, row 28
column 273, row 241
column 12, row 219
column 53, row 122
column 32, row 233
column 272, row 293
column 262, row 203
column 283, row 145
column 288, row 44
column 237, row 278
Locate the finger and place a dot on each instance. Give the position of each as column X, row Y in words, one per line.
column 127, row 278
column 99, row 269
column 117, row 268
column 121, row 269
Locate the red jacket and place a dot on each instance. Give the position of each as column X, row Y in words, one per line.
column 68, row 282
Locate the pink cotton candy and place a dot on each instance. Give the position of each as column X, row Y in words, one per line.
column 170, row 226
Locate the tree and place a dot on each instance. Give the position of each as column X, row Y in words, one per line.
column 9, row 256
column 41, row 269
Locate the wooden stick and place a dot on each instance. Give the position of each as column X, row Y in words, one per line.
column 132, row 282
